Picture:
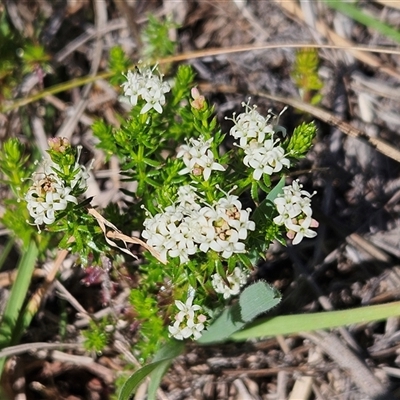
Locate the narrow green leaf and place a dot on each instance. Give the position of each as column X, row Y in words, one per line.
column 254, row 191
column 152, row 163
column 12, row 312
column 287, row 324
column 355, row 13
column 165, row 355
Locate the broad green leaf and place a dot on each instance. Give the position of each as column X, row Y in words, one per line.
column 264, row 209
column 226, row 324
column 254, row 300
column 262, row 297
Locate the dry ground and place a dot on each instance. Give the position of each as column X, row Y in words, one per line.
column 355, row 258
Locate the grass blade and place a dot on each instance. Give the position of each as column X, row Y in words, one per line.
column 287, row 324
column 355, row 13
column 8, row 333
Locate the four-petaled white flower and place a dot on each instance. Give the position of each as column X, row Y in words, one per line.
column 49, row 193
column 250, row 125
column 231, row 285
column 147, row 85
column 198, row 158
column 188, row 226
column 295, row 213
column 189, row 322
column 256, row 137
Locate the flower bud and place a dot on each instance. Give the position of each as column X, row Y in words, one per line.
column 199, row 101
column 301, row 140
column 59, row 145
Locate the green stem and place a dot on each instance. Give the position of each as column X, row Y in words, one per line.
column 56, row 89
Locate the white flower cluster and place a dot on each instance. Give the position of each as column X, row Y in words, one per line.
column 49, row 193
column 188, row 322
column 198, row 158
column 231, row 286
column 186, row 227
column 256, row 137
column 147, row 85
column 294, row 208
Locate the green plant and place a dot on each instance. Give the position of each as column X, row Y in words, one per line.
column 207, row 212
column 19, row 56
column 188, row 203
column 156, row 38
column 305, row 75
column 98, row 335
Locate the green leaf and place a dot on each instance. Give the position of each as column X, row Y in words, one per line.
column 119, row 64
column 164, row 357
column 254, row 300
column 273, row 194
column 257, row 299
column 254, row 191
column 262, row 212
column 10, row 332
column 287, row 324
column 354, row 12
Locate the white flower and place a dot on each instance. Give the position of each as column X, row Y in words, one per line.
column 265, row 158
column 188, row 198
column 47, row 195
column 198, row 158
column 250, row 125
column 231, row 286
column 295, row 213
column 186, row 227
column 81, row 177
column 188, row 321
column 163, row 232
column 302, row 229
column 148, row 86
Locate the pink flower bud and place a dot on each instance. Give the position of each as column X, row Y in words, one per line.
column 199, row 101
column 59, row 145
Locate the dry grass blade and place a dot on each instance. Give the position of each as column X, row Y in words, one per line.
column 294, row 10
column 379, row 144
column 37, row 297
column 116, row 234
column 31, row 347
column 389, row 3
column 346, row 359
column 302, row 388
